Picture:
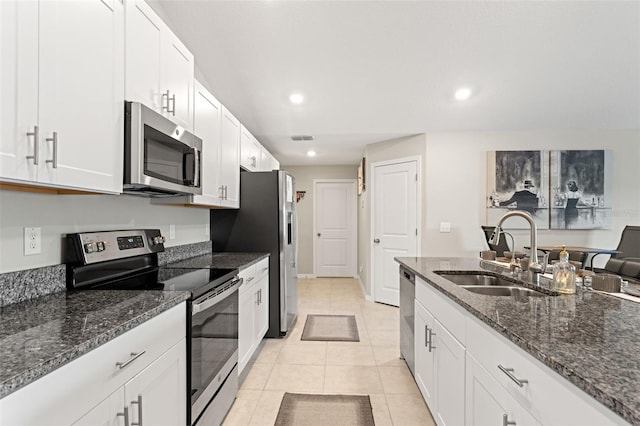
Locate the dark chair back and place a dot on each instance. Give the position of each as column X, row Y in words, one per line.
column 502, row 245
column 629, row 243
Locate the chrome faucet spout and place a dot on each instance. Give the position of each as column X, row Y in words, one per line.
column 534, row 265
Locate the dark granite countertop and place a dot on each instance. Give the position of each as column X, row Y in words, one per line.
column 221, row 260
column 591, row 339
column 39, row 335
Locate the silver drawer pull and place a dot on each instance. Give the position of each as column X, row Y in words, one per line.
column 54, row 158
column 507, row 371
column 139, row 402
column 125, row 414
column 506, row 422
column 134, row 356
column 431, row 334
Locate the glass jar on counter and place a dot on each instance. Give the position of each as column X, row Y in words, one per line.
column 564, row 274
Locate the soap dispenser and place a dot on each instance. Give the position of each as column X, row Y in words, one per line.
column 564, row 274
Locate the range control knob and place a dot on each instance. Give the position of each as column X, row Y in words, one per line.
column 101, row 245
column 90, row 247
column 159, row 239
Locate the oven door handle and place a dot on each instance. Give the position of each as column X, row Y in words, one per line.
column 208, row 301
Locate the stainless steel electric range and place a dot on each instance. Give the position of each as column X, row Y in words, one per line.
column 124, row 260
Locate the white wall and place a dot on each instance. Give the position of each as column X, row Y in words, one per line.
column 61, row 214
column 304, row 176
column 456, row 187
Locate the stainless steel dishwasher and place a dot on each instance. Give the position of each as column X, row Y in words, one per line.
column 407, row 313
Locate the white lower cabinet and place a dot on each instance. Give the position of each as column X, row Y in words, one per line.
column 140, row 374
column 470, row 374
column 488, row 403
column 253, row 310
column 439, row 368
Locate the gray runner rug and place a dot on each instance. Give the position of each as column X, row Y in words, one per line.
column 342, row 328
column 319, row 410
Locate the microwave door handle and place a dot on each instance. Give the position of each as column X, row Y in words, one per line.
column 196, row 167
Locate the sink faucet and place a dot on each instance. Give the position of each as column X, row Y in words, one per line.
column 534, row 266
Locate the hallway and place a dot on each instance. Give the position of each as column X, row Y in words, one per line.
column 369, row 367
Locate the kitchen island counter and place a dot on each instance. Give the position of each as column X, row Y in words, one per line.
column 590, row 339
column 40, row 335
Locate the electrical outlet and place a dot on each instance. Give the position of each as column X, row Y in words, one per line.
column 206, row 230
column 172, row 232
column 32, row 241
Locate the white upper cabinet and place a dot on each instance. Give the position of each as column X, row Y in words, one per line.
column 207, row 120
column 230, row 159
column 250, row 151
column 62, row 85
column 159, row 68
column 267, row 161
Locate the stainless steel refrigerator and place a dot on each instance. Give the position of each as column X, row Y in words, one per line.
column 265, row 222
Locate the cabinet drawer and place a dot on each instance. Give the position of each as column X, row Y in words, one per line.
column 248, row 276
column 65, row 394
column 450, row 315
column 549, row 397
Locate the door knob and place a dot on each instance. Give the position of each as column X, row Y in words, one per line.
column 319, row 234
column 377, row 240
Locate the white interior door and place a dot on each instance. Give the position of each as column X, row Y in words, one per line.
column 395, row 224
column 335, row 228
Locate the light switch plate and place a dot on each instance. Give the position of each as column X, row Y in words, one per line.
column 445, row 226
column 172, row 232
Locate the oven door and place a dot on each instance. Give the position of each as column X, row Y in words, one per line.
column 214, row 343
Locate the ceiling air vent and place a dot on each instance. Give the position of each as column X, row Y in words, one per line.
column 301, row 138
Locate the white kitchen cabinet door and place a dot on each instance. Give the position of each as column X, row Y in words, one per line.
column 106, row 413
column 159, row 393
column 449, row 363
column 68, row 83
column 206, row 125
column 19, row 88
column 159, row 68
column 81, row 86
column 487, row 402
column 143, row 54
column 250, row 151
column 424, row 357
column 178, row 69
column 262, row 309
column 248, row 300
column 230, row 159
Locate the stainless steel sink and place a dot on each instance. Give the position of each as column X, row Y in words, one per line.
column 493, row 290
column 477, row 279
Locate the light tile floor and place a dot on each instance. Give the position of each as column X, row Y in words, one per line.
column 370, row 367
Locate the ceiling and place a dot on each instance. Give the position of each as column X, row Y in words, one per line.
column 376, row 70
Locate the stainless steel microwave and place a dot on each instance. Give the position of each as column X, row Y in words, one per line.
column 160, row 157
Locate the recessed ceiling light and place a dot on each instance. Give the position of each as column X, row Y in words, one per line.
column 463, row 93
column 296, row 98
column 311, row 153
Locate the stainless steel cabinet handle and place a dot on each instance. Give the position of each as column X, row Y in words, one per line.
column 173, row 101
column 507, row 371
column 125, row 414
column 54, row 158
column 221, row 192
column 256, row 298
column 36, row 144
column 431, row 334
column 165, row 108
column 376, row 240
column 260, row 296
column 506, row 422
column 139, row 403
column 426, row 336
column 134, row 356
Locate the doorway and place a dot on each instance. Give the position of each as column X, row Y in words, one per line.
column 334, row 228
column 395, row 227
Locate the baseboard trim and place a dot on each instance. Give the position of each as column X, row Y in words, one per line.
column 306, row 276
column 367, row 297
